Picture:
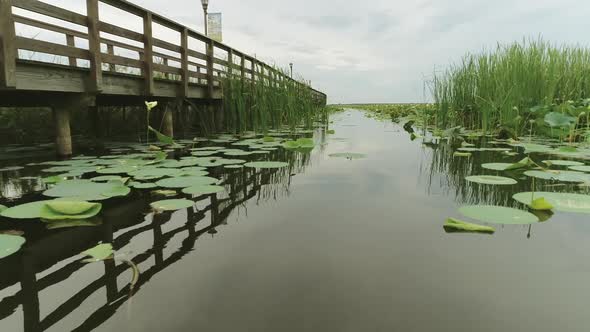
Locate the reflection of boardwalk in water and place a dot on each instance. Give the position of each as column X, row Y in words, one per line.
column 41, row 255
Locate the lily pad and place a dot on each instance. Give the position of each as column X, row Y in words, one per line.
column 87, row 188
column 186, row 181
column 266, row 164
column 99, row 253
column 565, row 202
column 106, row 178
column 203, row 190
column 73, row 223
column 496, row 166
column 563, row 176
column 562, row 163
column 10, row 244
column 454, row 225
column 25, row 211
column 3, row 207
column 580, row 168
column 348, row 155
column 154, row 173
column 172, row 204
column 143, row 185
column 490, row 179
column 233, row 166
column 498, row 215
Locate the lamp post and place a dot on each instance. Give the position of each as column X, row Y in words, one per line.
column 291, row 65
column 205, row 4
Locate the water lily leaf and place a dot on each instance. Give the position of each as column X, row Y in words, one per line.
column 526, row 162
column 498, row 215
column 454, row 225
column 99, row 253
column 10, row 244
column 490, row 179
column 497, row 166
column 204, row 153
column 203, row 190
column 160, row 156
column 53, row 179
column 161, row 137
column 11, row 169
column 565, row 202
column 186, row 181
column 143, row 185
column 562, row 163
column 106, row 178
column 559, row 120
column 461, row 154
column 563, row 176
column 117, row 170
column 67, row 210
column 348, row 155
column 166, row 193
column 154, row 173
column 580, row 168
column 25, row 211
column 87, row 189
column 172, row 204
column 266, row 164
column 233, row 166
column 3, row 207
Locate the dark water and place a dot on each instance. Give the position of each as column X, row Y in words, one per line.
column 340, row 246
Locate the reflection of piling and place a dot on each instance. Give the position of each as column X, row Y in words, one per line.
column 30, row 293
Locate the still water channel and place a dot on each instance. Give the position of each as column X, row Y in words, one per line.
column 328, row 244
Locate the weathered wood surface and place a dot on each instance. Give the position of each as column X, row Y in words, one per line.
column 102, row 69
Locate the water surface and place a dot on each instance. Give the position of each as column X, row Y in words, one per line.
column 334, row 245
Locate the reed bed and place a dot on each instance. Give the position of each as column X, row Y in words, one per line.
column 496, row 88
column 261, row 104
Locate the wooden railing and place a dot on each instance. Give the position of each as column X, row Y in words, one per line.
column 152, row 61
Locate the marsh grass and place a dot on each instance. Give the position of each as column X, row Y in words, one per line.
column 261, row 104
column 495, row 88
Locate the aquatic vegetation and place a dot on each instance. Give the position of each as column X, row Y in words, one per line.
column 516, row 89
column 171, row 205
column 348, row 155
column 2, row 208
column 453, row 225
column 498, row 215
column 580, row 168
column 186, row 181
column 490, row 179
column 66, row 210
column 99, row 253
column 566, row 202
column 87, row 190
column 202, row 190
column 462, row 154
column 25, row 211
column 266, row 164
column 562, row 163
column 10, row 244
column 301, row 143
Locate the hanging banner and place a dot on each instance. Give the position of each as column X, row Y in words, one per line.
column 214, row 26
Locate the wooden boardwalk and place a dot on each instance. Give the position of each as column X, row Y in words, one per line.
column 157, row 68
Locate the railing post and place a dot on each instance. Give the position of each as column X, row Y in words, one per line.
column 71, row 41
column 210, row 54
column 111, row 51
column 148, row 54
column 94, row 45
column 243, row 67
column 184, row 63
column 230, row 63
column 7, row 48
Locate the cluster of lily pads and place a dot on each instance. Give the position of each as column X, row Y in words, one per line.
column 568, row 171
column 75, row 188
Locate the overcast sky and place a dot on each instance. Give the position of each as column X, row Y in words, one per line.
column 377, row 50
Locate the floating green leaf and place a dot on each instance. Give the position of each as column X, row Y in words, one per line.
column 202, row 190
column 498, row 215
column 580, row 168
column 172, row 204
column 186, row 181
column 562, row 163
column 496, row 166
column 490, row 179
column 566, row 202
column 10, row 244
column 559, row 120
column 266, row 164
column 3, row 207
column 161, row 137
column 69, row 210
column 25, row 211
column 541, row 204
column 454, row 225
column 87, row 188
column 99, row 253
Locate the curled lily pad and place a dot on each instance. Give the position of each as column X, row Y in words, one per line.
column 490, row 179
column 10, row 244
column 348, row 155
column 498, row 215
column 99, row 253
column 203, row 190
column 580, row 168
column 172, row 204
column 453, row 225
column 3, row 207
column 565, row 202
column 25, row 211
column 186, row 181
column 69, row 210
column 266, row 164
